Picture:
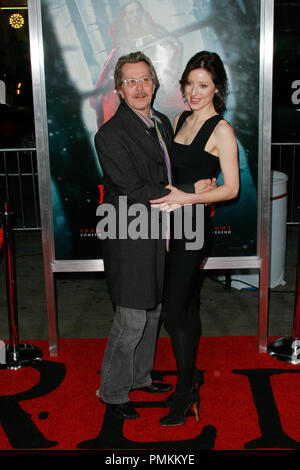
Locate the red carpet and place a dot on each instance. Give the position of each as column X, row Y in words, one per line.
column 248, row 401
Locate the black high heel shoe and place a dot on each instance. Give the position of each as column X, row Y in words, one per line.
column 198, row 380
column 182, row 403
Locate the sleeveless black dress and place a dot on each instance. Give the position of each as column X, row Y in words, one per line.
column 181, row 300
column 189, row 164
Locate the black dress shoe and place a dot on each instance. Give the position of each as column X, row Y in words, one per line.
column 123, row 410
column 156, row 387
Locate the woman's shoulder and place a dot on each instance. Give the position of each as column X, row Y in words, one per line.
column 178, row 116
column 223, row 128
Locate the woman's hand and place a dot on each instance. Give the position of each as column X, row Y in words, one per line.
column 163, row 206
column 175, row 199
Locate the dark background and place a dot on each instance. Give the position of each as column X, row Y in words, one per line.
column 16, row 117
column 286, row 114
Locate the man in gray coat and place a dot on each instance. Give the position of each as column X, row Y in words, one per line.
column 133, row 152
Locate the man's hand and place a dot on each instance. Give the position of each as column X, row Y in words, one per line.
column 202, row 186
column 177, row 198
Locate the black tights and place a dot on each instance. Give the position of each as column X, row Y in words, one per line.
column 181, row 309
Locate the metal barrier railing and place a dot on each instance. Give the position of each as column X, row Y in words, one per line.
column 13, row 355
column 286, row 158
column 19, row 186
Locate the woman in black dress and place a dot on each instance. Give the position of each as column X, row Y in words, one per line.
column 204, row 144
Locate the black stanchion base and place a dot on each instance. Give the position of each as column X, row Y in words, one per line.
column 22, row 355
column 285, row 349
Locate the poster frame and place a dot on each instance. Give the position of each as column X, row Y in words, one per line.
column 259, row 262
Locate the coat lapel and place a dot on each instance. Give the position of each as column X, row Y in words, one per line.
column 139, row 132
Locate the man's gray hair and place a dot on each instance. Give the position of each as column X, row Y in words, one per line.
column 133, row 58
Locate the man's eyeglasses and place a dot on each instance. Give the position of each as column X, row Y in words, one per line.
column 132, row 82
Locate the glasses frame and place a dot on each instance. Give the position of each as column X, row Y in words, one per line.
column 137, row 80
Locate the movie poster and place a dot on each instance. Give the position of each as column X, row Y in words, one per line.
column 82, row 42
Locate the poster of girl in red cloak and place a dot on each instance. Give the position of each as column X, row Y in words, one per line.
column 132, row 30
